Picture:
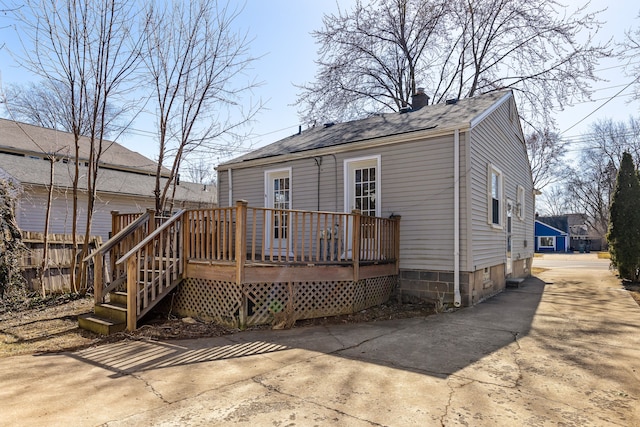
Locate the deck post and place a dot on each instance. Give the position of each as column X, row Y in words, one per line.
column 114, row 223
column 355, row 251
column 98, row 277
column 151, row 225
column 396, row 240
column 184, row 249
column 241, row 256
column 132, row 293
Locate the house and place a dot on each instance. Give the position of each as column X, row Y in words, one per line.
column 456, row 173
column 126, row 180
column 581, row 237
column 549, row 238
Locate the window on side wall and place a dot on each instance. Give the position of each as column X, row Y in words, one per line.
column 546, row 242
column 494, row 200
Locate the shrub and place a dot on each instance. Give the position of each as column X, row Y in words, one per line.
column 624, row 224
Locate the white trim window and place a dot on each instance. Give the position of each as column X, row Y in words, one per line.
column 546, row 242
column 520, row 203
column 494, row 196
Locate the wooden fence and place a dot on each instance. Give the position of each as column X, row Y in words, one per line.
column 60, row 254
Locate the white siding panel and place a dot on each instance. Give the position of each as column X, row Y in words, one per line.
column 32, row 211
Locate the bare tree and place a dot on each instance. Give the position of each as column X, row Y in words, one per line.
column 84, row 49
column 197, row 62
column 455, row 49
column 371, row 57
column 591, row 183
column 553, row 201
column 47, row 104
column 200, row 170
column 546, row 155
column 630, row 52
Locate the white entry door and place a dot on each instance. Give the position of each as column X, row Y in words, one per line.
column 509, row 266
column 362, row 192
column 278, row 197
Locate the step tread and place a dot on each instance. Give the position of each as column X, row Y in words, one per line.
column 101, row 320
column 114, row 306
column 514, row 282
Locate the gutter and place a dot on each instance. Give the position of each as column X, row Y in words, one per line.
column 346, row 147
column 456, row 218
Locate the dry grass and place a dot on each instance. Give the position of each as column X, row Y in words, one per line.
column 604, row 255
column 537, row 270
column 45, row 329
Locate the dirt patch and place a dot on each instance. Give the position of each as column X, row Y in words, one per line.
column 52, row 325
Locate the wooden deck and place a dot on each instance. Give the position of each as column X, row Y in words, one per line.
column 242, row 266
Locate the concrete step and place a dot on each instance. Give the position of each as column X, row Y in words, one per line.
column 99, row 325
column 514, row 282
column 114, row 312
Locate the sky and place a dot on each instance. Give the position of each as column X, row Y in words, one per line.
column 286, row 51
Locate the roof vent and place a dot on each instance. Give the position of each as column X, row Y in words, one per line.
column 328, row 125
column 452, row 101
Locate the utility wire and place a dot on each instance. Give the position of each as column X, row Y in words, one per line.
column 601, row 105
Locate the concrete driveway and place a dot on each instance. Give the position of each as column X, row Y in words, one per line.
column 563, row 349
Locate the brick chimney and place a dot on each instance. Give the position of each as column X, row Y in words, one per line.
column 419, row 99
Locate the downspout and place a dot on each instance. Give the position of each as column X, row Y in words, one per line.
column 230, row 187
column 456, row 218
column 318, row 161
column 335, row 181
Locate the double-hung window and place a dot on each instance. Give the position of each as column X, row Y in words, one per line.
column 495, row 195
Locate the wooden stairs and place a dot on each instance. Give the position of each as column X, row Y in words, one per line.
column 107, row 318
column 144, row 260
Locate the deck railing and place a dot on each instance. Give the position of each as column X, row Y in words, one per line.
column 284, row 236
column 129, row 230
column 152, row 257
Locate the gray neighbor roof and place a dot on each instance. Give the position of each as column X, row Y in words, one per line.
column 431, row 117
column 123, row 171
column 36, row 140
column 30, row 171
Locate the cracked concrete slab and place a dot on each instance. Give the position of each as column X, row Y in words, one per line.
column 560, row 350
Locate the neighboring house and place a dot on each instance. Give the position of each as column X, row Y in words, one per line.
column 126, row 180
column 581, row 236
column 457, row 173
column 550, row 239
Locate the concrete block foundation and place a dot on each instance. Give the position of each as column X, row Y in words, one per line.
column 475, row 286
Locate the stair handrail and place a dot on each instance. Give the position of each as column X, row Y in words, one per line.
column 151, row 236
column 129, row 229
column 133, row 258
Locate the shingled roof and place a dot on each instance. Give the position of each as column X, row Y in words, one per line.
column 38, row 141
column 30, row 171
column 449, row 115
column 23, row 158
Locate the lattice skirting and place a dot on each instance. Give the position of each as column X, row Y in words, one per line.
column 269, row 303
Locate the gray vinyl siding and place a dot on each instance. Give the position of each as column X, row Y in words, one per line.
column 416, row 183
column 31, row 211
column 497, row 140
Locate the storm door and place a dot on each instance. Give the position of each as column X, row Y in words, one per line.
column 362, row 192
column 278, row 200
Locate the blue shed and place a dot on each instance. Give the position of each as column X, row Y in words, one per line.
column 550, row 239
